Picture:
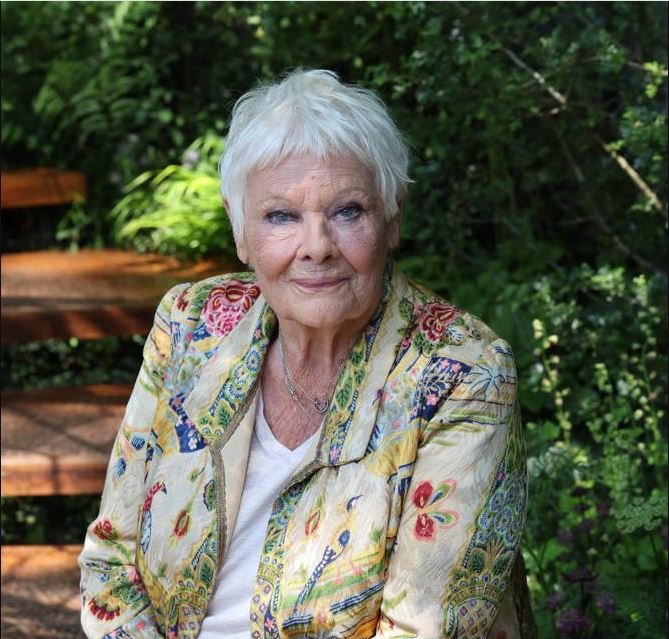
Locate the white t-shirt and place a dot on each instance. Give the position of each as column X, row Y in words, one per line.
column 269, row 468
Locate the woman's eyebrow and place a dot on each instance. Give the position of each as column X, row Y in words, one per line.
column 347, row 192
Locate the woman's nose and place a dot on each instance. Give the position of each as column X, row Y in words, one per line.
column 317, row 242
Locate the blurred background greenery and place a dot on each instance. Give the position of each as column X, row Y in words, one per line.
column 538, row 135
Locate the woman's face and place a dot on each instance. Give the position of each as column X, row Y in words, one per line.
column 316, row 235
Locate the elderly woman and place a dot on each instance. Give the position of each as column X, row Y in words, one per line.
column 320, row 447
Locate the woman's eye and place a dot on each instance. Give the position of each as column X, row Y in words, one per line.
column 349, row 211
column 279, row 217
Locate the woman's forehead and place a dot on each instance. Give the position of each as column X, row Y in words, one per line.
column 296, row 174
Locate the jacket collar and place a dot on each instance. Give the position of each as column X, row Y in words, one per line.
column 229, row 380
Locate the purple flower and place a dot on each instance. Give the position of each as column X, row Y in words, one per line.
column 585, row 526
column 190, row 158
column 571, row 620
column 565, row 537
column 579, row 491
column 580, row 574
column 607, row 602
column 581, row 507
column 603, row 508
column 555, row 600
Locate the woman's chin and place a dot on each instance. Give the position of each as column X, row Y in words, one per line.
column 326, row 316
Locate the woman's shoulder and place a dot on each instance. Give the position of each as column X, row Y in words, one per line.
column 219, row 301
column 440, row 328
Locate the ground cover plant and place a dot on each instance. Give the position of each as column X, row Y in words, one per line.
column 538, row 134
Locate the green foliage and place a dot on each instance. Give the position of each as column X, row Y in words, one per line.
column 71, row 362
column 46, row 520
column 178, row 210
column 594, row 394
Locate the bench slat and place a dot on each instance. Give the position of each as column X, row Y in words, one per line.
column 58, row 441
column 89, row 294
column 41, row 187
column 40, row 592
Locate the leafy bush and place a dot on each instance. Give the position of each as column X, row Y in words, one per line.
column 595, row 411
column 177, row 210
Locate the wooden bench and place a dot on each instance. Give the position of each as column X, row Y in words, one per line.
column 58, row 441
column 40, row 592
column 43, row 186
column 88, row 294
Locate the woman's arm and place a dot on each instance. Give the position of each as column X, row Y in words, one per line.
column 464, row 511
column 114, row 603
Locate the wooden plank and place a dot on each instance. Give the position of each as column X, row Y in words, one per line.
column 89, row 294
column 88, row 323
column 58, row 441
column 40, row 592
column 41, row 187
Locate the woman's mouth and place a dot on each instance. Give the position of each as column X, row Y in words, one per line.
column 318, row 283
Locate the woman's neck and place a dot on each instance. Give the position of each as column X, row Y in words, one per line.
column 324, row 347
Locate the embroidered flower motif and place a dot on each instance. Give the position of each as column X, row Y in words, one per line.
column 424, row 527
column 227, row 304
column 104, row 530
column 424, row 497
column 102, row 612
column 312, row 523
column 435, row 318
column 422, row 494
column 182, row 300
column 181, row 526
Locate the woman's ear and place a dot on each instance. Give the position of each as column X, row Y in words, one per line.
column 242, row 251
column 394, row 227
column 240, row 242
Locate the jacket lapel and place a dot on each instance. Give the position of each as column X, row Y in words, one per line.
column 231, row 375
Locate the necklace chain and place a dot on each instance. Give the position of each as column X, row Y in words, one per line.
column 320, row 403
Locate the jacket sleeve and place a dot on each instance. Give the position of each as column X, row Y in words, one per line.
column 114, row 603
column 463, row 514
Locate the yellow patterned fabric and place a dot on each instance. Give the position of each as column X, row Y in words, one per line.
column 404, row 520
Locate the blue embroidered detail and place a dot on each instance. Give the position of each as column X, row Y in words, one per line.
column 189, row 437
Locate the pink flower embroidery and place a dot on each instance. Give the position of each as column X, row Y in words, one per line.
column 424, row 527
column 435, row 318
column 182, row 300
column 227, row 304
column 424, row 498
column 104, row 530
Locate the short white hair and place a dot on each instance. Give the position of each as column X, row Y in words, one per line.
column 311, row 112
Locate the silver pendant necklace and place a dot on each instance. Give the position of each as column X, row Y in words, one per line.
column 320, row 403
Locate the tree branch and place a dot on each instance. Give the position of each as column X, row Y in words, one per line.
column 597, row 214
column 634, row 176
column 640, row 183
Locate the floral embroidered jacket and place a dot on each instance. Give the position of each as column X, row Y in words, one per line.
column 404, row 520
